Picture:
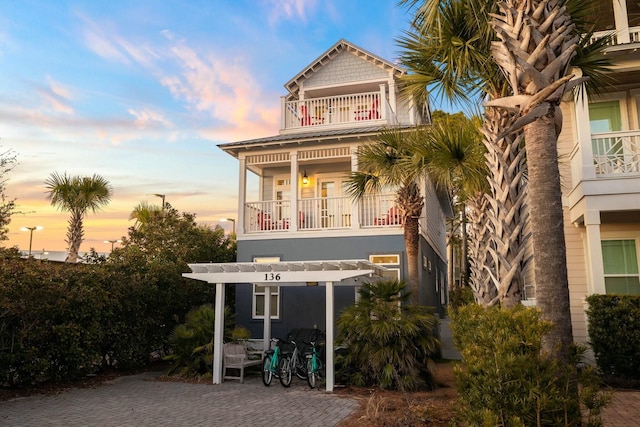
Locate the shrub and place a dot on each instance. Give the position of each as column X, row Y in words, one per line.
column 506, row 379
column 59, row 322
column 386, row 343
column 614, row 330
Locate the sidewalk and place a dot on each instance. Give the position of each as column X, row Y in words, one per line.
column 140, row 400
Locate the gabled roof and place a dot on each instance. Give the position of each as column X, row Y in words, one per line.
column 342, row 45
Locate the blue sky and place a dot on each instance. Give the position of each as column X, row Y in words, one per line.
column 142, row 92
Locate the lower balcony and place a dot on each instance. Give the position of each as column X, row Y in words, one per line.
column 323, row 213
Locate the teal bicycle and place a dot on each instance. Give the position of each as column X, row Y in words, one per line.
column 270, row 363
column 315, row 368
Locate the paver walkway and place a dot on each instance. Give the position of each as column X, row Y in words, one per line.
column 624, row 410
column 140, row 400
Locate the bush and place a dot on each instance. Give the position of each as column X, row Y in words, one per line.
column 506, row 379
column 59, row 322
column 386, row 343
column 614, row 330
column 192, row 342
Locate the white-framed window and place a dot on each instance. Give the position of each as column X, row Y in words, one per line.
column 391, row 262
column 259, row 294
column 620, row 263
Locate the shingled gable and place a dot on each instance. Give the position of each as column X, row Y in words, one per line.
column 293, row 85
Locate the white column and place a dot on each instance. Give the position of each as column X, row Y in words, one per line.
column 294, row 214
column 583, row 128
column 242, row 196
column 355, row 206
column 622, row 23
column 283, row 112
column 392, row 97
column 330, row 368
column 267, row 318
column 594, row 263
column 382, row 105
column 218, row 333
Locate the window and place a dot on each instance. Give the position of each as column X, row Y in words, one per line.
column 259, row 295
column 391, row 262
column 620, row 261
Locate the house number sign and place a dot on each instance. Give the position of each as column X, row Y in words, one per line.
column 272, row 277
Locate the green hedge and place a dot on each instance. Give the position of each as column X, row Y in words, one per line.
column 59, row 322
column 614, row 330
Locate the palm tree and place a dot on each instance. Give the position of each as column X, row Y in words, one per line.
column 448, row 50
column 77, row 194
column 452, row 155
column 144, row 212
column 382, row 165
column 537, row 40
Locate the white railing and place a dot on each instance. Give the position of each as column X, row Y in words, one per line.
column 616, row 152
column 322, row 213
column 332, row 110
column 634, row 36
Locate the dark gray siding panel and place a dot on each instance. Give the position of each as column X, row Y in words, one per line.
column 304, row 307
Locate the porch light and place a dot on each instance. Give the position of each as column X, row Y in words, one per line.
column 305, row 178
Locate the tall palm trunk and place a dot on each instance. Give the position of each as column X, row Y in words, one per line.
column 480, row 261
column 549, row 247
column 537, row 42
column 508, row 206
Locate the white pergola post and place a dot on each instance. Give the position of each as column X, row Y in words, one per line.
column 266, row 336
column 218, row 333
column 330, row 368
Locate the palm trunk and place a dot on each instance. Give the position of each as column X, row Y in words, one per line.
column 549, row 247
column 75, row 236
column 480, row 261
column 412, row 243
column 411, row 203
column 508, row 201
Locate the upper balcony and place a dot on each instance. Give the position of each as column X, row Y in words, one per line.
column 615, row 155
column 331, row 111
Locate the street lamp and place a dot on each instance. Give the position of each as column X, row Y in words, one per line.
column 30, row 230
column 230, row 220
column 162, row 197
column 113, row 242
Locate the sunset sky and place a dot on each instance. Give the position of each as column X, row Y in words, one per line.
column 141, row 92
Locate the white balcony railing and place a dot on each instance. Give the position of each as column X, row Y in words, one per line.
column 333, row 110
column 634, row 36
column 322, row 213
column 616, row 152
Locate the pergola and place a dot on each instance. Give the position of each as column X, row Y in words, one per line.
column 292, row 273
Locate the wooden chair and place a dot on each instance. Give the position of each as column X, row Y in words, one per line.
column 235, row 357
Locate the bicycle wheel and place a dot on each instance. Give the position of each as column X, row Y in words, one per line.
column 301, row 368
column 284, row 367
column 267, row 375
column 312, row 376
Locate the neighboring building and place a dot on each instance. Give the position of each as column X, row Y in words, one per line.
column 599, row 154
column 341, row 101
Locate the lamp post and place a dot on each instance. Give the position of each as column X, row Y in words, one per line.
column 113, row 242
column 30, row 230
column 232, row 221
column 162, row 197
